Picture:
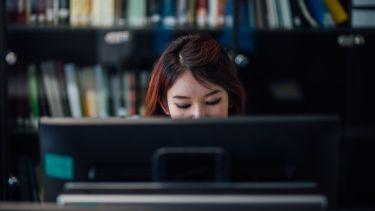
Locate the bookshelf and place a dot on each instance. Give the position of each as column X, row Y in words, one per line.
column 288, row 64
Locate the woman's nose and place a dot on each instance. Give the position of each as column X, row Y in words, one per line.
column 199, row 112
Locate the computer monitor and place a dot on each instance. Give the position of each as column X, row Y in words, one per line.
column 200, row 202
column 174, row 202
column 240, row 149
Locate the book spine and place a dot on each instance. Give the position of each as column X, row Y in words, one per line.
column 260, row 22
column 115, row 93
column 154, row 7
column 306, row 14
column 202, row 13
column 72, row 90
column 338, row 12
column 286, row 14
column 182, row 12
column 136, row 11
column 21, row 12
column 108, row 12
column 143, row 82
column 221, row 13
column 271, row 14
column 49, row 11
column 33, row 95
column 102, row 91
column 169, row 14
column 62, row 88
column 73, row 14
column 213, row 9
column 363, row 18
column 63, row 12
column 52, row 90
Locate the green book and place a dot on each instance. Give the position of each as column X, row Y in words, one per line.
column 33, row 95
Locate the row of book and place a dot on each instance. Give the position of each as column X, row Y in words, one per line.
column 260, row 14
column 60, row 89
column 135, row 13
column 288, row 14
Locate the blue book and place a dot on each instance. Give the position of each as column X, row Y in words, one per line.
column 319, row 12
column 169, row 13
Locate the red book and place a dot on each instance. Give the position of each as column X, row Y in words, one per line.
column 21, row 12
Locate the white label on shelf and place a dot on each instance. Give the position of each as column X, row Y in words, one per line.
column 117, row 37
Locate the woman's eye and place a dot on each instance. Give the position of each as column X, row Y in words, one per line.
column 183, row 106
column 213, row 102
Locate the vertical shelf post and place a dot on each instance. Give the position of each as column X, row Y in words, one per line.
column 3, row 105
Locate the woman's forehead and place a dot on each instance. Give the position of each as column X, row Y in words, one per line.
column 188, row 85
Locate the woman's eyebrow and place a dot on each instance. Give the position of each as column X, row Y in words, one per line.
column 212, row 92
column 180, row 97
column 206, row 95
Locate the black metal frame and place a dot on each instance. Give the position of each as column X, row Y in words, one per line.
column 3, row 105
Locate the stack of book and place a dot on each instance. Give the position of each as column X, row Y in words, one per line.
column 60, row 89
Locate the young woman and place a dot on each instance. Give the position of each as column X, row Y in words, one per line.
column 194, row 78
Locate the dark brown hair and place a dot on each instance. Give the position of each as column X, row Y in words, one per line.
column 207, row 61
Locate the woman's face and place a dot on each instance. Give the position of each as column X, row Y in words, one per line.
column 187, row 98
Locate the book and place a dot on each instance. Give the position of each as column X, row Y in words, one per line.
column 129, row 87
column 50, row 11
column 202, row 13
column 89, row 92
column 33, row 95
column 44, row 109
column 21, row 12
column 41, row 11
column 73, row 19
column 182, row 12
column 362, row 18
column 229, row 14
column 136, row 11
column 108, row 13
column 221, row 13
column 96, row 13
column 306, row 14
column 59, row 66
column 271, row 14
column 169, row 13
column 213, row 12
column 337, row 11
column 144, row 78
column 84, row 12
column 119, row 17
column 31, row 11
column 115, row 95
column 103, row 12
column 286, row 14
column 259, row 14
column 52, row 89
column 192, row 12
column 73, row 90
column 252, row 13
column 102, row 90
column 80, row 12
column 320, row 13
column 63, row 12
column 154, row 12
column 363, row 3
column 55, row 12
